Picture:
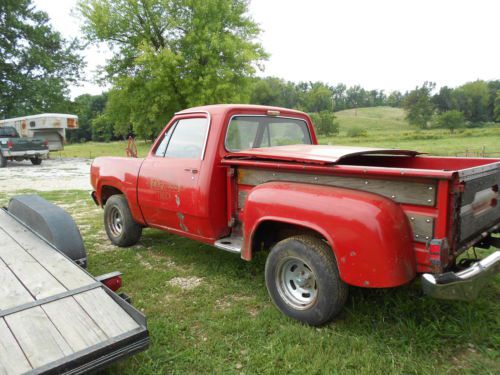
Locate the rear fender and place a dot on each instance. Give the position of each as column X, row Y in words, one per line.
column 369, row 234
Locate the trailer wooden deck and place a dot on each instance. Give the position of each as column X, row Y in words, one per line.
column 52, row 312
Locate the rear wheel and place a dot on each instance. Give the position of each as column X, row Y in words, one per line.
column 120, row 226
column 36, row 160
column 303, row 280
column 3, row 161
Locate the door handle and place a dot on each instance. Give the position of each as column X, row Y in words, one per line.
column 192, row 170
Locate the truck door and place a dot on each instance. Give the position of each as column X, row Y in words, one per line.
column 168, row 186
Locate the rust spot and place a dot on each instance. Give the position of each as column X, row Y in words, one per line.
column 180, row 216
column 352, row 253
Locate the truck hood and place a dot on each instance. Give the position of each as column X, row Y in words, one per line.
column 314, row 154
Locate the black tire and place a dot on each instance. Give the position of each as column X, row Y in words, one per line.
column 303, row 280
column 36, row 160
column 120, row 226
column 3, row 161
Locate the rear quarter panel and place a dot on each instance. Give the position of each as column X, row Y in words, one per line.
column 369, row 234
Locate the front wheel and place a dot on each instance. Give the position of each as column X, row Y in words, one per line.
column 303, row 280
column 120, row 226
column 36, row 160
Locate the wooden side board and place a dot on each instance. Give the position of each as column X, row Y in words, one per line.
column 410, row 192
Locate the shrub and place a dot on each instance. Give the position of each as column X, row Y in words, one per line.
column 356, row 132
column 325, row 123
column 451, row 120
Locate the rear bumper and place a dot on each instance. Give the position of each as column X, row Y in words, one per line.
column 26, row 154
column 464, row 285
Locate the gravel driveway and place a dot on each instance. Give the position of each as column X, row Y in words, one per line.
column 52, row 174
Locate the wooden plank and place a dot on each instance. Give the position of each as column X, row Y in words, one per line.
column 411, row 192
column 39, row 339
column 108, row 315
column 64, row 270
column 12, row 292
column 34, row 277
column 12, row 359
column 74, row 324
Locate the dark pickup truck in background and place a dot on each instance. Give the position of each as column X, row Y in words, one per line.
column 251, row 178
column 12, row 147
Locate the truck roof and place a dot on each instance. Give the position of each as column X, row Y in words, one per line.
column 316, row 154
column 223, row 108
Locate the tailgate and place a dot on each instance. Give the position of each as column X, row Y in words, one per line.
column 478, row 208
column 55, row 318
column 27, row 144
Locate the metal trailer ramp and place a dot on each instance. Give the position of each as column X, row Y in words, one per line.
column 55, row 318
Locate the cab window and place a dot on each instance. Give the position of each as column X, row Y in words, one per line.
column 187, row 139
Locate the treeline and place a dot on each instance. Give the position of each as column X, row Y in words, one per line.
column 473, row 105
column 319, row 96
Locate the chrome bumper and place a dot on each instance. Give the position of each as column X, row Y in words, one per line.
column 464, row 285
column 26, row 154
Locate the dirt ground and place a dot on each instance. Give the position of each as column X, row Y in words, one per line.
column 52, row 174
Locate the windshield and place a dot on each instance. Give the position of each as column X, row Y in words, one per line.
column 8, row 131
column 246, row 132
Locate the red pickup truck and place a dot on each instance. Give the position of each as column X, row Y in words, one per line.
column 250, row 178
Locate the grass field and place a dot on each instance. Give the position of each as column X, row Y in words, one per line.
column 209, row 313
column 385, row 127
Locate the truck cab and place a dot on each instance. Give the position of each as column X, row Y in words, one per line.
column 248, row 178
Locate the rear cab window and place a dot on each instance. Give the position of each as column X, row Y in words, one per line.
column 245, row 132
column 8, row 131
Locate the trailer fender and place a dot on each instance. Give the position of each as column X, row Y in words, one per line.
column 52, row 223
column 369, row 234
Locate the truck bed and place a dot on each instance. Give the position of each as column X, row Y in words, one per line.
column 54, row 316
column 442, row 197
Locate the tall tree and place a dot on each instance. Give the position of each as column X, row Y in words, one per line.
column 170, row 54
column 472, row 99
column 444, row 100
column 418, row 106
column 36, row 63
column 317, row 97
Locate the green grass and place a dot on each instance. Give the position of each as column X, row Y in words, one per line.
column 385, row 127
column 228, row 325
column 90, row 150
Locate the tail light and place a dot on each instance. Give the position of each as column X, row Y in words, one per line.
column 10, row 144
column 112, row 280
column 46, row 142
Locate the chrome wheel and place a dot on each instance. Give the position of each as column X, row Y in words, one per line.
column 115, row 221
column 296, row 283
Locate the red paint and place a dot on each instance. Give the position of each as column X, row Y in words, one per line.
column 369, row 234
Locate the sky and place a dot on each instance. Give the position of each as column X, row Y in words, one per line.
column 383, row 44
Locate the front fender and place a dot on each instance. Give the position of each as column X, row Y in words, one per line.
column 369, row 234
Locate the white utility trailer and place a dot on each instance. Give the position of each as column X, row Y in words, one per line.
column 49, row 126
column 55, row 318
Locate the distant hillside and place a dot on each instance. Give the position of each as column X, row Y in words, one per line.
column 372, row 119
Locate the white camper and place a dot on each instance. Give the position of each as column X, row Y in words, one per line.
column 50, row 126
